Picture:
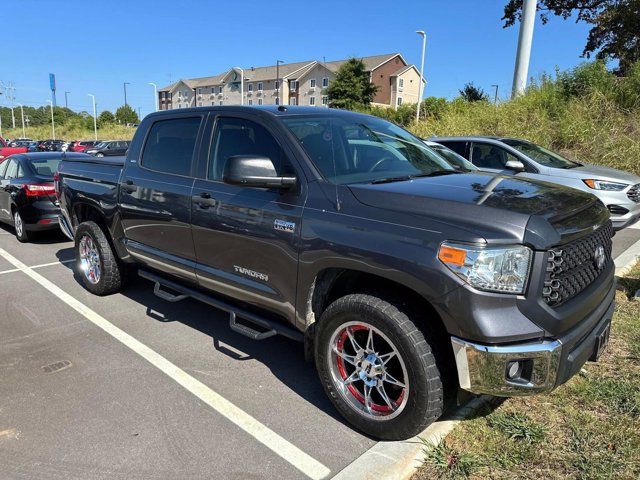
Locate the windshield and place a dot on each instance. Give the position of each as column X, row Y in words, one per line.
column 356, row 149
column 457, row 161
column 45, row 167
column 541, row 155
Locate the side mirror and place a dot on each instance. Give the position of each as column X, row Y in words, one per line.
column 515, row 165
column 254, row 171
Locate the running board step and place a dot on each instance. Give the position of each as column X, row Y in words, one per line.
column 270, row 327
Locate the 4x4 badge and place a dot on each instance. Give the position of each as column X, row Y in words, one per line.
column 284, row 226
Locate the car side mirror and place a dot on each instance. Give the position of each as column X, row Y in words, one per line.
column 254, row 171
column 515, row 165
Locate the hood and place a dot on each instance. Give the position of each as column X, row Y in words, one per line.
column 479, row 201
column 597, row 172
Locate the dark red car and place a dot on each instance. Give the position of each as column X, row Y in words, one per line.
column 5, row 150
column 81, row 146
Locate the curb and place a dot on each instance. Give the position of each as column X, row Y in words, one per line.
column 627, row 259
column 399, row 460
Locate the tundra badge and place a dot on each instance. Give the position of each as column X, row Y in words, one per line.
column 284, row 226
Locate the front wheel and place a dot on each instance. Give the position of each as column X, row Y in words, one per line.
column 96, row 263
column 99, row 154
column 377, row 367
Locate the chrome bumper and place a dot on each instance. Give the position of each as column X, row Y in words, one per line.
column 485, row 369
column 65, row 225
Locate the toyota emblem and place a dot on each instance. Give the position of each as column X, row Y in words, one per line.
column 600, row 257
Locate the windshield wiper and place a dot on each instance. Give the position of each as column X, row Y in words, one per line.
column 402, row 178
column 436, row 173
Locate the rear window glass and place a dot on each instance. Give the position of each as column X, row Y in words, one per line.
column 170, row 145
column 45, row 167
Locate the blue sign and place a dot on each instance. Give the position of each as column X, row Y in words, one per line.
column 52, row 82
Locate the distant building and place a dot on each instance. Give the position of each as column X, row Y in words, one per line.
column 303, row 83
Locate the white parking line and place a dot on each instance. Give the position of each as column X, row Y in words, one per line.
column 37, row 266
column 289, row 452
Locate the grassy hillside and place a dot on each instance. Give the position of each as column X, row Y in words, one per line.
column 72, row 132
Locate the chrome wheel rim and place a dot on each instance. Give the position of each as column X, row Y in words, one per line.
column 18, row 225
column 89, row 259
column 368, row 371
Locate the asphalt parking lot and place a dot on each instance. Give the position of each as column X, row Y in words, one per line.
column 130, row 386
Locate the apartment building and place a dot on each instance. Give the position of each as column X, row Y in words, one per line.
column 300, row 83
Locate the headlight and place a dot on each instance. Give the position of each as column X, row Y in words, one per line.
column 604, row 185
column 503, row 269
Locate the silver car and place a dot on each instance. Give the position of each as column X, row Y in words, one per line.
column 618, row 190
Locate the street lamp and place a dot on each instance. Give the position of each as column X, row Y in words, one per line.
column 424, row 44
column 66, row 103
column 24, row 135
column 53, row 124
column 278, row 62
column 95, row 121
column 155, row 92
column 495, row 97
column 241, row 84
column 125, row 92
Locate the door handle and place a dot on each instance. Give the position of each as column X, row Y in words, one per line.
column 203, row 200
column 129, row 186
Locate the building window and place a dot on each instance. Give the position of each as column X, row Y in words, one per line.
column 293, row 85
column 250, row 102
column 220, row 89
column 250, row 87
column 325, row 82
column 325, row 100
column 212, row 103
column 293, row 101
column 199, row 91
column 220, row 102
column 277, row 101
column 213, row 90
column 313, row 83
column 401, row 82
column 259, row 101
column 312, row 101
column 259, row 86
column 399, row 100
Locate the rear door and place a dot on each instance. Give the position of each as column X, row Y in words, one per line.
column 155, row 195
column 247, row 238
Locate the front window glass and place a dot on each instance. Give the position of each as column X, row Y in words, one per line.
column 354, row 148
column 458, row 162
column 541, row 155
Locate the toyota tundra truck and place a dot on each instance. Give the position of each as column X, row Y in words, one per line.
column 404, row 277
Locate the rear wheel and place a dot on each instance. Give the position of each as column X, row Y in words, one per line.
column 377, row 367
column 22, row 234
column 96, row 263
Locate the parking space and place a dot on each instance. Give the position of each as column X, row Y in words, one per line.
column 130, row 386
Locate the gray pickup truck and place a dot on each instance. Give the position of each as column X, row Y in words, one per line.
column 405, row 278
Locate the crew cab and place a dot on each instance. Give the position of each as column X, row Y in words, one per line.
column 6, row 150
column 404, row 278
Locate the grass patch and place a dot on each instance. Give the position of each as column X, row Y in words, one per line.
column 587, row 429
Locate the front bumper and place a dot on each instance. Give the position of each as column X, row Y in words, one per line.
column 539, row 366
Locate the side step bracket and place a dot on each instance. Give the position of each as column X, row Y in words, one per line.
column 268, row 327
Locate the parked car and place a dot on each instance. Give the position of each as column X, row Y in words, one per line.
column 55, row 145
column 27, row 195
column 42, row 145
column 112, row 148
column 82, row 146
column 6, row 150
column 456, row 161
column 32, row 146
column 347, row 233
column 618, row 190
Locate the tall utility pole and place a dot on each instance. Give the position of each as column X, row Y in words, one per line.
column 278, row 62
column 66, row 102
column 523, row 54
column 125, row 92
column 495, row 96
column 95, row 118
column 155, row 93
column 424, row 45
column 9, row 91
column 53, row 124
column 24, row 135
column 0, row 120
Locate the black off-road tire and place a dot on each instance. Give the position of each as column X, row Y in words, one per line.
column 425, row 402
column 112, row 277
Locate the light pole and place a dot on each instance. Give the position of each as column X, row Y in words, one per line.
column 53, row 124
column 495, row 97
column 24, row 135
column 95, row 121
column 424, row 45
column 66, row 103
column 278, row 62
column 125, row 92
column 525, row 38
column 155, row 93
column 241, row 84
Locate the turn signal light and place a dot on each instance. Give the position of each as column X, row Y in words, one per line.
column 452, row 256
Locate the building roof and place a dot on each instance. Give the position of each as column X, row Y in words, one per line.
column 258, row 74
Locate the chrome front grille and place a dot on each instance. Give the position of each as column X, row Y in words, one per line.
column 573, row 267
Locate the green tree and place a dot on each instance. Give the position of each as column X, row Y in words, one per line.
column 471, row 93
column 105, row 118
column 352, row 87
column 126, row 115
column 615, row 31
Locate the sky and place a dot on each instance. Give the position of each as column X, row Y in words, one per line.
column 96, row 46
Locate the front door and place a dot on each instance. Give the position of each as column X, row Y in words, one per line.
column 155, row 196
column 246, row 238
column 5, row 188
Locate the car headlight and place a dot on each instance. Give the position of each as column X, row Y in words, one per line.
column 605, row 185
column 503, row 269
